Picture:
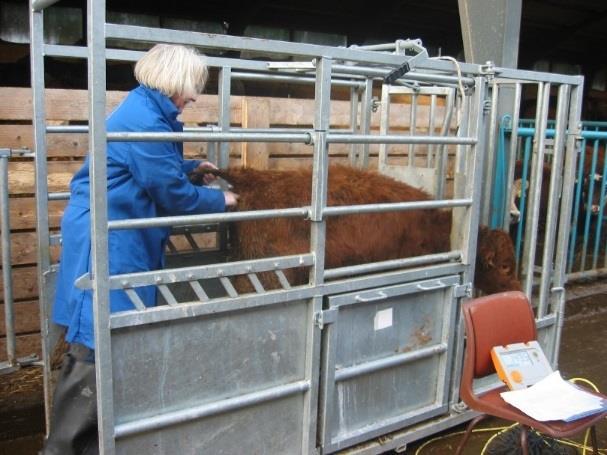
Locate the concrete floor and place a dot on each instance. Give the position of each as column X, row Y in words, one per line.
column 582, row 354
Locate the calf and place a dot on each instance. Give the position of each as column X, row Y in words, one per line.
column 357, row 238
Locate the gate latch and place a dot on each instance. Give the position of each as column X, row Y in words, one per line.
column 463, row 290
column 325, row 317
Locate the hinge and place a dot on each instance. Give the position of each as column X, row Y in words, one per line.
column 463, row 290
column 325, row 317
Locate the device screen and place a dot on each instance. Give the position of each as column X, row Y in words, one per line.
column 516, row 359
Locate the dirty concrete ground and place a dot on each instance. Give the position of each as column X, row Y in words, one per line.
column 582, row 354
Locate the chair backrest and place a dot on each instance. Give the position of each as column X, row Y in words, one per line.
column 495, row 320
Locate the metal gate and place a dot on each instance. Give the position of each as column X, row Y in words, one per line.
column 215, row 372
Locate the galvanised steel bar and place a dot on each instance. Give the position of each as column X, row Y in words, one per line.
column 441, row 156
column 365, row 123
column 305, row 138
column 412, row 128
column 60, row 196
column 489, row 168
column 466, row 220
column 42, row 222
column 39, row 5
column 344, row 374
column 164, row 313
column 224, row 94
column 537, row 161
column 511, row 158
column 431, row 122
column 341, row 272
column 384, row 124
column 183, row 220
column 293, row 79
column 160, row 421
column 553, row 199
column 560, row 262
column 354, row 98
column 396, row 206
column 5, row 234
column 96, row 37
column 370, row 71
column 205, row 129
column 396, row 139
column 227, row 42
column 168, row 276
column 320, row 168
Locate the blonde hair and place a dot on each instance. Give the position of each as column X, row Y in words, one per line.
column 173, row 70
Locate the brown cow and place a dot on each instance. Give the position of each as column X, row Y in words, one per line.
column 358, row 238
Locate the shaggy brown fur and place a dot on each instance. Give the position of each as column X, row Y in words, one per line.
column 352, row 239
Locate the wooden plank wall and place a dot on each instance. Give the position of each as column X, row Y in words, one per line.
column 66, row 153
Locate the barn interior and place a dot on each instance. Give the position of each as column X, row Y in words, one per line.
column 559, row 36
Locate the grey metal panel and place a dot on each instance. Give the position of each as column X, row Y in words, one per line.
column 490, row 30
column 380, row 328
column 197, row 361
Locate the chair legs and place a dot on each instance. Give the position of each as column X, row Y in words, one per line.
column 595, row 444
column 524, row 441
column 466, row 436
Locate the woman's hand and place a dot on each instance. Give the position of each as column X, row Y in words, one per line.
column 207, row 177
column 230, row 198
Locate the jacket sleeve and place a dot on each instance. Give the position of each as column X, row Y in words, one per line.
column 158, row 168
column 189, row 165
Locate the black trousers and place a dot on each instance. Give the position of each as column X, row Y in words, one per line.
column 74, row 417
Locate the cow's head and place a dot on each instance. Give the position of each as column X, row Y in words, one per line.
column 495, row 262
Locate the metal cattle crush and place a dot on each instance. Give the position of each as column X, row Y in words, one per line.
column 355, row 354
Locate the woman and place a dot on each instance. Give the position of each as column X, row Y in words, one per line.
column 144, row 180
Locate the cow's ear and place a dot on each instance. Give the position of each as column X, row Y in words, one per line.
column 488, row 258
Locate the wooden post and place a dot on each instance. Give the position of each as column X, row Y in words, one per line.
column 255, row 114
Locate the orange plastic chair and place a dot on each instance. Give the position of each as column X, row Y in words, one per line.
column 498, row 320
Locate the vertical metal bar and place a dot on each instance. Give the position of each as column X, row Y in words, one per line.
column 224, row 91
column 431, row 123
column 577, row 205
column 353, row 123
column 489, row 170
column 365, row 122
column 442, row 149
column 5, row 233
column 559, row 278
column 599, row 220
column 384, row 124
column 320, row 169
column 42, row 223
column 537, row 162
column 99, row 230
column 465, row 220
column 511, row 161
column 412, row 126
column 588, row 204
column 322, row 103
column 554, row 192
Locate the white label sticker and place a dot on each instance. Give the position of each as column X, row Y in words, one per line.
column 383, row 319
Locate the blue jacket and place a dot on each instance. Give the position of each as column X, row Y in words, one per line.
column 145, row 179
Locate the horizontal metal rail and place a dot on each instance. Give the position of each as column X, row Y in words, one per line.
column 39, row 5
column 396, row 206
column 179, row 275
column 397, row 139
column 341, row 272
column 59, row 196
column 160, row 421
column 305, row 138
column 83, row 129
column 344, row 374
column 413, row 75
column 234, row 43
column 293, row 79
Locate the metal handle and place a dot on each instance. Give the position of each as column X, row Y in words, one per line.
column 380, row 296
column 438, row 284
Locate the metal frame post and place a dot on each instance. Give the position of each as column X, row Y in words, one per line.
column 99, row 224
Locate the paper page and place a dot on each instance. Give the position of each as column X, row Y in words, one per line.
column 553, row 398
